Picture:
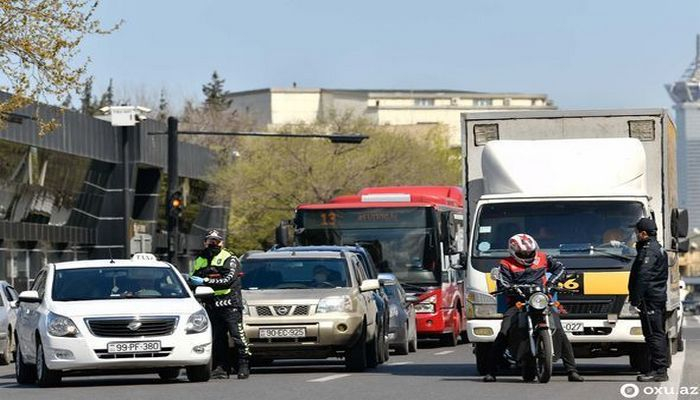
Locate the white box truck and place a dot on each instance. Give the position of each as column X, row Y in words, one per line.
column 577, row 181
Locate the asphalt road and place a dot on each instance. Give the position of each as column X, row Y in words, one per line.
column 431, row 373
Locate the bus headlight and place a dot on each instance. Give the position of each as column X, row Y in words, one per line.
column 426, row 306
column 538, row 301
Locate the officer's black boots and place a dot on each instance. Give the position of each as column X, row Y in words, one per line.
column 219, row 373
column 243, row 369
column 654, row 376
column 575, row 377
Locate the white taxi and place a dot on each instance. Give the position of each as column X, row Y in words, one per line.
column 111, row 315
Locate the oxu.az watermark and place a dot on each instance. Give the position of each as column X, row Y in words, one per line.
column 630, row 390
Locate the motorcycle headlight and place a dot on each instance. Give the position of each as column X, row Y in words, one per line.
column 58, row 325
column 538, row 301
column 334, row 304
column 197, row 322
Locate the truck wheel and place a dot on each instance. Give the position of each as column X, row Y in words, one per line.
column 199, row 373
column 356, row 356
column 482, row 351
column 45, row 377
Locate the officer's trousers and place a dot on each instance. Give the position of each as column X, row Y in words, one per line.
column 654, row 330
column 227, row 320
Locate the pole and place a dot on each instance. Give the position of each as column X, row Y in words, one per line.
column 172, row 188
column 126, row 188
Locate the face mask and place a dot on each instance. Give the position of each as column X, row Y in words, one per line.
column 213, row 249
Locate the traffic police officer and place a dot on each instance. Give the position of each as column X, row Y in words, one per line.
column 217, row 268
column 647, row 291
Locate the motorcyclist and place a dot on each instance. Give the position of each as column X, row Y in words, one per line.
column 528, row 265
column 217, row 268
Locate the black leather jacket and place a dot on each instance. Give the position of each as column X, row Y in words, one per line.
column 649, row 274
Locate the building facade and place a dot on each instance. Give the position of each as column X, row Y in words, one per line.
column 62, row 195
column 271, row 107
column 685, row 94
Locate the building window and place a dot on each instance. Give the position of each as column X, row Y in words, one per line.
column 424, row 102
column 483, row 102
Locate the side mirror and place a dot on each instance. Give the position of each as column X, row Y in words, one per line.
column 14, row 304
column 495, row 274
column 679, row 222
column 203, row 291
column 29, row 296
column 369, row 284
column 462, row 262
column 680, row 245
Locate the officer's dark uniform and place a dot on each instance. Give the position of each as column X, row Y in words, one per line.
column 513, row 273
column 222, row 272
column 647, row 290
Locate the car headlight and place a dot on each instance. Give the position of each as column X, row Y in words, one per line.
column 334, row 304
column 197, row 322
column 538, row 301
column 58, row 325
column 393, row 311
column 628, row 310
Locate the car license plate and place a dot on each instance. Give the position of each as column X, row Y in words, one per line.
column 573, row 326
column 266, row 333
column 133, row 347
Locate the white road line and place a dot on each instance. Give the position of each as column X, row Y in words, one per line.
column 675, row 373
column 696, row 318
column 442, row 353
column 329, row 378
column 400, row 363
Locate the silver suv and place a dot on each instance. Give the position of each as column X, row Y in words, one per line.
column 311, row 305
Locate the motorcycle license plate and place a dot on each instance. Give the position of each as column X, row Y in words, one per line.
column 573, row 326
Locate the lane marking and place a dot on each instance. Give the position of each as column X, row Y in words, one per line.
column 329, row 378
column 442, row 353
column 675, row 373
column 400, row 363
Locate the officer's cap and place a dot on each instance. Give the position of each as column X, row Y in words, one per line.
column 647, row 225
column 214, row 234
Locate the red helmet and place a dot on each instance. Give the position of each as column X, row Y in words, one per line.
column 523, row 248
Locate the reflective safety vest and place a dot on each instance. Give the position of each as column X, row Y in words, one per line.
column 217, row 261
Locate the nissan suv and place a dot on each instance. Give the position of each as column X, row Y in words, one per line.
column 311, row 305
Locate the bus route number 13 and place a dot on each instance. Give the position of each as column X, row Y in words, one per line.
column 328, row 219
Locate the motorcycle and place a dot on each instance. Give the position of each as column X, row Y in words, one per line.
column 530, row 341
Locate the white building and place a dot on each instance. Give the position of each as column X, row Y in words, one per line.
column 686, row 96
column 278, row 106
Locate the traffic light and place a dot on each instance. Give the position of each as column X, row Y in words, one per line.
column 176, row 204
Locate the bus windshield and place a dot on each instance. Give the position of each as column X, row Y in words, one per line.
column 401, row 241
column 561, row 228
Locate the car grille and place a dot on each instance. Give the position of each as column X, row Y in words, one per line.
column 125, row 327
column 164, row 352
column 282, row 310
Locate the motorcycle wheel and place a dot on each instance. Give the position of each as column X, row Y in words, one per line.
column 543, row 360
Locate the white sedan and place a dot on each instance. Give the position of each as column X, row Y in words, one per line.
column 111, row 315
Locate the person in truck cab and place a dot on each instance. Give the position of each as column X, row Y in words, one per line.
column 528, row 265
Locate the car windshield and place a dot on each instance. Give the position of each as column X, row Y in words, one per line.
column 106, row 283
column 294, row 274
column 562, row 229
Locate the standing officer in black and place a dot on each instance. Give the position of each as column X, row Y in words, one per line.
column 217, row 268
column 647, row 288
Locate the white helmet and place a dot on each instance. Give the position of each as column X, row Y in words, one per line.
column 523, row 248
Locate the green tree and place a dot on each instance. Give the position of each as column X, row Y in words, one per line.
column 215, row 95
column 107, row 98
column 39, row 46
column 88, row 103
column 163, row 106
column 273, row 176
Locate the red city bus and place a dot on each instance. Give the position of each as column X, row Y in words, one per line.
column 414, row 232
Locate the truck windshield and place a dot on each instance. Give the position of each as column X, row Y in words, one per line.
column 280, row 273
column 400, row 240
column 561, row 228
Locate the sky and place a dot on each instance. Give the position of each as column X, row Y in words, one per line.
column 582, row 54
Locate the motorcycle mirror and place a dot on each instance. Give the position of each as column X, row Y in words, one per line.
column 495, row 274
